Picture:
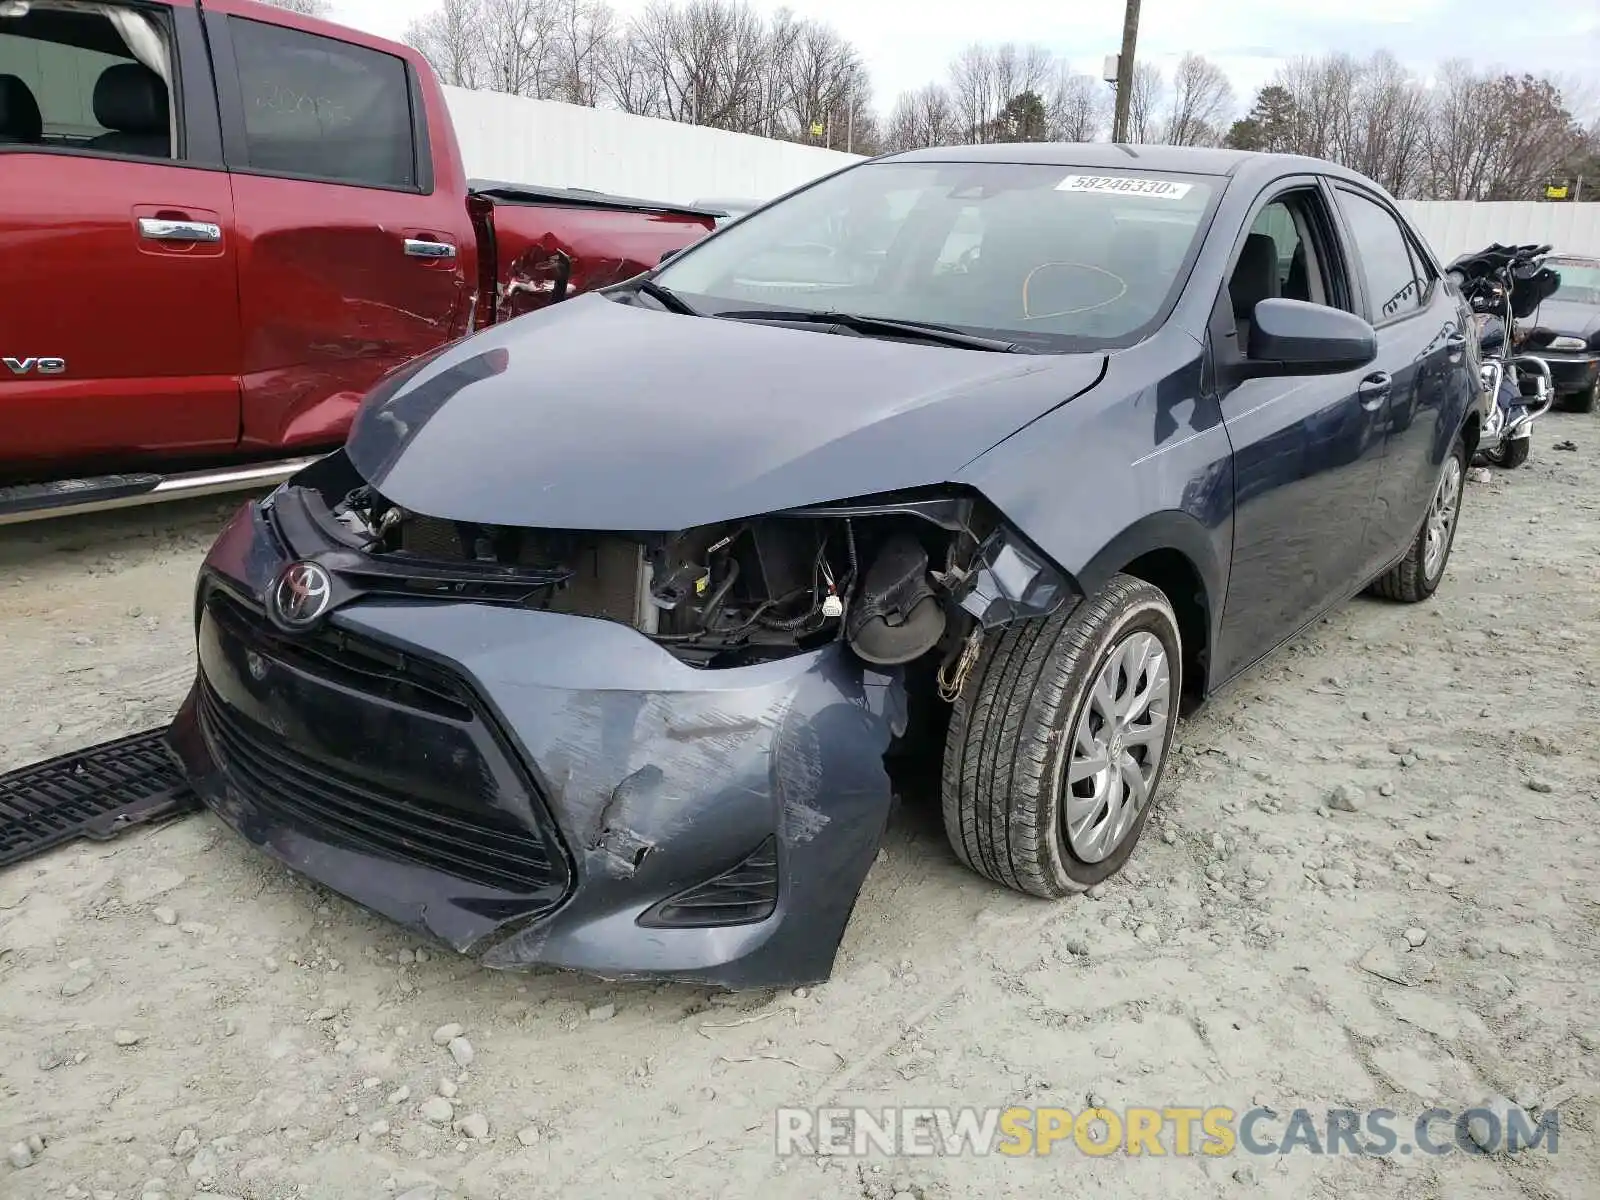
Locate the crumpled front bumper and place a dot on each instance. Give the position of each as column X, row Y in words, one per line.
column 535, row 788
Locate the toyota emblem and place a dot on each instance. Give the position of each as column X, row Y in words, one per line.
column 301, row 595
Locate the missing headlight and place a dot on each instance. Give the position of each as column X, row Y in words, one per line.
column 899, row 578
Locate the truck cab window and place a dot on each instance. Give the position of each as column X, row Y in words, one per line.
column 322, row 108
column 95, row 80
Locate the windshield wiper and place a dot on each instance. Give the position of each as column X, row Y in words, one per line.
column 941, row 334
column 667, row 298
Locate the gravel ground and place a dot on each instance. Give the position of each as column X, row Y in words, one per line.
column 179, row 1017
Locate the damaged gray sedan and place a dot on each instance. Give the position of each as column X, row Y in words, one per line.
column 601, row 643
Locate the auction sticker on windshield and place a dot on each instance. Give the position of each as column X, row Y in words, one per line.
column 1125, row 185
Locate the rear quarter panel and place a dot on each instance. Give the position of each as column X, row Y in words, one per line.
column 604, row 246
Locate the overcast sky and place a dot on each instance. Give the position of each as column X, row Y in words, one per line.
column 906, row 43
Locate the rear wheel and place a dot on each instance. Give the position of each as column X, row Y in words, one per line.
column 1059, row 738
column 1416, row 576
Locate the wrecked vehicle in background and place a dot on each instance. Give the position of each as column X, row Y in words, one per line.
column 595, row 644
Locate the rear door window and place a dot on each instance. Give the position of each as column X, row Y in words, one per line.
column 1396, row 287
column 322, row 108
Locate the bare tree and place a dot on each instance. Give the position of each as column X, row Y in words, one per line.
column 628, row 76
column 581, row 34
column 1387, row 137
column 1144, row 103
column 1078, row 105
column 450, row 38
column 1530, row 133
column 1459, row 154
column 306, row 8
column 921, row 119
column 822, row 80
column 706, row 57
column 1201, row 105
column 985, row 79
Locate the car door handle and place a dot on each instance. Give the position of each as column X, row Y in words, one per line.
column 420, row 248
column 158, row 229
column 1374, row 390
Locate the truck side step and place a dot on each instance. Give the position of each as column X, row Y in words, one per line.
column 38, row 498
column 70, row 497
column 94, row 793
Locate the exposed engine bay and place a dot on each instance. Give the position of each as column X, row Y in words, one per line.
column 896, row 577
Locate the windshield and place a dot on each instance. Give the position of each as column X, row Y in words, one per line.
column 1054, row 258
column 1580, row 282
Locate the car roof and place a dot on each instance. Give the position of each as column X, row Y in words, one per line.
column 1106, row 156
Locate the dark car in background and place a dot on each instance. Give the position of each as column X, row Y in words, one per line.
column 605, row 640
column 1565, row 331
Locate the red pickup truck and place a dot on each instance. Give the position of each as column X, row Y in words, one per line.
column 221, row 223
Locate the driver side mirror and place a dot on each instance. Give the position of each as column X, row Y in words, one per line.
column 1294, row 337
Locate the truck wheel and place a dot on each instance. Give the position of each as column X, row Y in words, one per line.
column 1058, row 740
column 1416, row 576
column 1510, row 454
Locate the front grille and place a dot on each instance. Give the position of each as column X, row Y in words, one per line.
column 489, row 848
column 608, row 575
column 741, row 895
column 430, row 537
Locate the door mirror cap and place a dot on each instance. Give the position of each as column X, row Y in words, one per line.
column 1292, row 337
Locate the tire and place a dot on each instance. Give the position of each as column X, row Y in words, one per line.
column 1584, row 402
column 1510, row 455
column 1410, row 581
column 1013, row 733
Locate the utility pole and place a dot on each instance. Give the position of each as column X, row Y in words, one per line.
column 1130, row 35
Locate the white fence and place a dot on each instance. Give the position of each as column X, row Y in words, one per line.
column 1454, row 227
column 564, row 145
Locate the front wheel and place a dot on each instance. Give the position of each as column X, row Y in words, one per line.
column 1416, row 576
column 1585, row 401
column 1509, row 455
column 1058, row 741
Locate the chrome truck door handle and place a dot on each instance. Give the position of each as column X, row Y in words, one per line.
column 417, row 248
column 157, row 230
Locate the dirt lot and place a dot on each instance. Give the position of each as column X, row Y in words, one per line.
column 180, row 1017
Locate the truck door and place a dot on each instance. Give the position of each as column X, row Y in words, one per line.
column 356, row 247
column 119, row 311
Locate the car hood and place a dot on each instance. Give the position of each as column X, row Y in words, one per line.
column 597, row 415
column 1567, row 317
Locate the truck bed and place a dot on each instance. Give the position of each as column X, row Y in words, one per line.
column 543, row 244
